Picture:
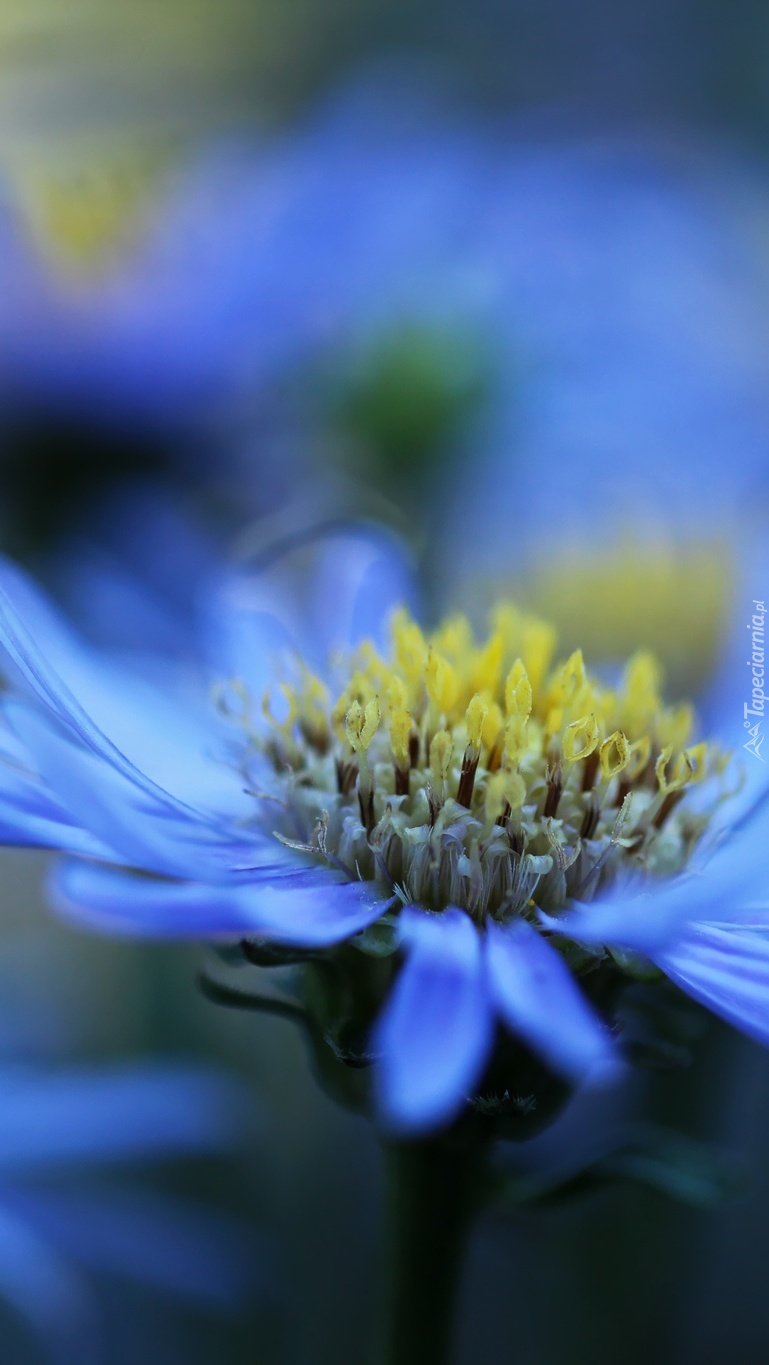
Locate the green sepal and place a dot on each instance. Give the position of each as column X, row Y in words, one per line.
column 380, row 939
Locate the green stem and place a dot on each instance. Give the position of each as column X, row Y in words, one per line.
column 433, row 1191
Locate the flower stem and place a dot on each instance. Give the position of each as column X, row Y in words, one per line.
column 433, row 1190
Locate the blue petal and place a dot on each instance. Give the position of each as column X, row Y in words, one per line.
column 29, row 816
column 28, row 813
column 136, row 824
column 112, row 902
column 48, row 1294
column 641, row 922
column 754, row 917
column 353, row 577
column 246, row 626
column 542, row 1003
column 159, row 1241
column 435, row 1031
column 142, row 734
column 309, row 912
column 136, row 1112
column 726, row 969
column 366, row 575
column 652, row 914
column 305, row 908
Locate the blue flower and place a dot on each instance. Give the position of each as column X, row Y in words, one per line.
column 617, row 285
column 85, row 1123
column 496, row 829
column 262, row 254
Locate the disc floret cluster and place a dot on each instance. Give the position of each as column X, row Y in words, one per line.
column 486, row 774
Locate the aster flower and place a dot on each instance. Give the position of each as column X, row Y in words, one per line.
column 261, row 253
column 616, row 288
column 474, row 832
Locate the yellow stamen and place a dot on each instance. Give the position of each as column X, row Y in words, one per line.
column 400, row 735
column 537, row 649
column 698, row 756
column 475, row 718
column 518, row 695
column 580, row 738
column 614, row 754
column 441, row 682
column 444, row 726
column 639, row 753
column 361, row 725
column 487, row 670
column 681, row 770
column 293, row 710
column 441, row 754
column 492, row 725
column 516, row 740
column 504, row 789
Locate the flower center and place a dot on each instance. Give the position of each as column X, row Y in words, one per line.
column 485, row 774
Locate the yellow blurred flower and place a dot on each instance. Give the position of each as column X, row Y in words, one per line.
column 653, row 594
column 99, row 99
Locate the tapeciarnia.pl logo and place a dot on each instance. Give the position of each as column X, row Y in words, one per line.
column 756, row 705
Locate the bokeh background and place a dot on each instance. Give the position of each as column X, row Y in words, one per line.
column 496, row 275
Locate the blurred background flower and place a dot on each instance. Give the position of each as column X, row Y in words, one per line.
column 405, row 302
column 495, row 273
column 79, row 1218
column 58, row 1125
